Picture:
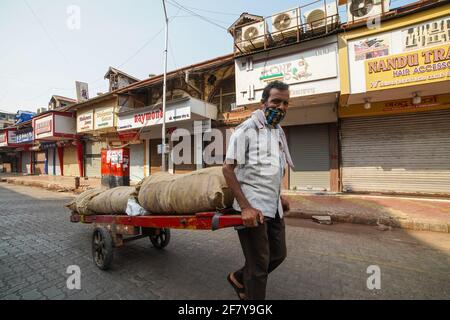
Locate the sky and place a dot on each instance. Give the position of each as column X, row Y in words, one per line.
column 47, row 45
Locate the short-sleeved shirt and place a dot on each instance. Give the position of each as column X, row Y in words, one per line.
column 260, row 166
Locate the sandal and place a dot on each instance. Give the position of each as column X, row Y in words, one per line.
column 239, row 288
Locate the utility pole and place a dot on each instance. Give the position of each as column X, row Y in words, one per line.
column 163, row 155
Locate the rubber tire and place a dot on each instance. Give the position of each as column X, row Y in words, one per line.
column 162, row 240
column 102, row 248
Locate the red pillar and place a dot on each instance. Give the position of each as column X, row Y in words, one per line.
column 31, row 162
column 61, row 159
column 80, row 157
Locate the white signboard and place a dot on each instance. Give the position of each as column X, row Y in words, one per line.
column 415, row 37
column 43, row 127
column 294, row 69
column 85, row 121
column 104, row 118
column 152, row 118
column 429, row 34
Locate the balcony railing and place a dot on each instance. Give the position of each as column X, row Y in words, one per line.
column 291, row 26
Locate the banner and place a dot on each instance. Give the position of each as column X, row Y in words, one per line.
column 412, row 68
column 24, row 136
column 82, row 91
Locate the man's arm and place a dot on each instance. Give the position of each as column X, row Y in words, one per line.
column 285, row 204
column 250, row 216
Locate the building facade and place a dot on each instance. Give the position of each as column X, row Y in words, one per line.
column 395, row 105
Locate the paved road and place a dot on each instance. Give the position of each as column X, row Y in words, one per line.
column 38, row 243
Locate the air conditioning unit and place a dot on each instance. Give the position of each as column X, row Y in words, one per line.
column 363, row 9
column 50, row 107
column 40, row 110
column 285, row 24
column 320, row 17
column 253, row 36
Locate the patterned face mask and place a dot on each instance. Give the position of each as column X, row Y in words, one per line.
column 274, row 115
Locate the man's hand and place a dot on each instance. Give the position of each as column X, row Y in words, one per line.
column 285, row 204
column 251, row 216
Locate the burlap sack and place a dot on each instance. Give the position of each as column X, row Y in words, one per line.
column 198, row 191
column 80, row 203
column 112, row 201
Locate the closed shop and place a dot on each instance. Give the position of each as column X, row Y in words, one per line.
column 407, row 153
column 70, row 163
column 136, row 162
column 39, row 162
column 309, row 147
column 92, row 158
column 26, row 162
column 51, row 159
column 155, row 158
column 185, row 156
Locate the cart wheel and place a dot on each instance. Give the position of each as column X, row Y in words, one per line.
column 102, row 248
column 161, row 238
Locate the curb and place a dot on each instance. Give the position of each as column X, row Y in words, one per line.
column 43, row 185
column 410, row 224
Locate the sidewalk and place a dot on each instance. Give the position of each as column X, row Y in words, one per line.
column 425, row 214
column 56, row 183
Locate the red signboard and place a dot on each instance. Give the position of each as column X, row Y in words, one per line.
column 129, row 135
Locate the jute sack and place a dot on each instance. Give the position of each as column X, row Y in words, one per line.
column 198, row 191
column 80, row 203
column 112, row 201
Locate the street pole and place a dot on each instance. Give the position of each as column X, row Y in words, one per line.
column 164, row 91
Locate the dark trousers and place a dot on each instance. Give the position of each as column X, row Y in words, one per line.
column 264, row 249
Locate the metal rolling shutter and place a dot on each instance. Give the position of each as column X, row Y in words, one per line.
column 155, row 158
column 190, row 165
column 309, row 147
column 26, row 168
column 136, row 162
column 93, row 158
column 50, row 162
column 407, row 153
column 39, row 163
column 70, row 165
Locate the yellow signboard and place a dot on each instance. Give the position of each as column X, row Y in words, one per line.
column 406, row 69
column 104, row 118
column 428, row 103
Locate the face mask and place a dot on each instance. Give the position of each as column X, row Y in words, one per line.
column 274, row 116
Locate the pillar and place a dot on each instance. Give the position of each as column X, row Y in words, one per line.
column 61, row 159
column 79, row 144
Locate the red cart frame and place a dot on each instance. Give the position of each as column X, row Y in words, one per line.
column 110, row 230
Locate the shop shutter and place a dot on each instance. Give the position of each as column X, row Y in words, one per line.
column 92, row 158
column 39, row 162
column 26, row 167
column 407, row 153
column 50, row 162
column 136, row 162
column 155, row 158
column 70, row 165
column 190, row 165
column 309, row 147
